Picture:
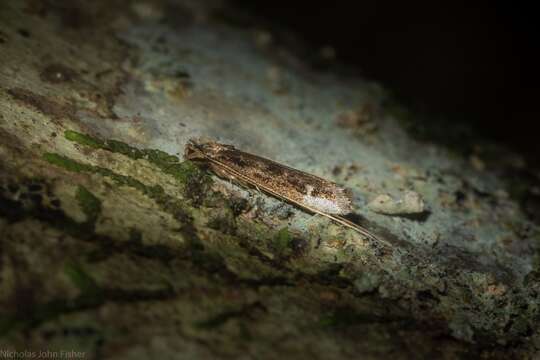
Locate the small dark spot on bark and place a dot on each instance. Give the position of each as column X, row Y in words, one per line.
column 36, row 198
column 23, row 33
column 181, row 74
column 336, row 170
column 508, row 325
column 299, row 246
column 57, row 73
column 55, row 203
column 460, row 197
column 238, row 205
column 425, row 296
column 35, row 187
column 420, row 217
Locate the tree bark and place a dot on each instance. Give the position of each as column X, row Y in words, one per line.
column 113, row 245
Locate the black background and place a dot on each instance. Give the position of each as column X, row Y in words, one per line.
column 473, row 63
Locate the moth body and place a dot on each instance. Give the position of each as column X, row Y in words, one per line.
column 293, row 185
column 304, row 190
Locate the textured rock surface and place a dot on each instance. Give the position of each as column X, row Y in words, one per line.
column 112, row 245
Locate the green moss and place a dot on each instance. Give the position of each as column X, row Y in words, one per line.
column 155, row 192
column 160, row 158
column 66, row 163
column 124, row 180
column 169, row 164
column 183, row 172
column 89, row 203
column 123, row 148
column 195, row 182
column 110, row 145
column 83, row 139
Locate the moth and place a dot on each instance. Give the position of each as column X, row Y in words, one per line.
column 308, row 192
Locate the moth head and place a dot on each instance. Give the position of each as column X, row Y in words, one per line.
column 193, row 151
column 202, row 149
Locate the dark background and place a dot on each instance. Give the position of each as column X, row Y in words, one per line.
column 465, row 63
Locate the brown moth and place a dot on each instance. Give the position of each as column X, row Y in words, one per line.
column 309, row 192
